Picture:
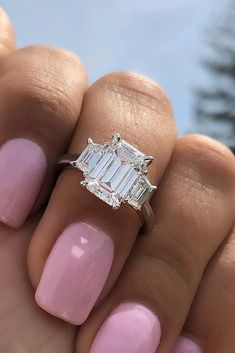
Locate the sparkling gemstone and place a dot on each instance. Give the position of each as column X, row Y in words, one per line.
column 129, row 153
column 89, row 157
column 140, row 193
column 113, row 172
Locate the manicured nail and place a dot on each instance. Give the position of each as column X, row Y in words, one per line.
column 23, row 166
column 75, row 272
column 130, row 328
column 186, row 345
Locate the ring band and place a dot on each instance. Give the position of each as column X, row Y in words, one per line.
column 116, row 172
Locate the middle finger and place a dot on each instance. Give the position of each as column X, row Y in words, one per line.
column 93, row 241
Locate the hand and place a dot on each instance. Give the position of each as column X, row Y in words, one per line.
column 169, row 290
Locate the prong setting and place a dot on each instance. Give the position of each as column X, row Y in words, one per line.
column 90, row 141
column 148, row 160
column 116, row 138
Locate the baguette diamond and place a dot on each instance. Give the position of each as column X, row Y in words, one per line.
column 115, row 172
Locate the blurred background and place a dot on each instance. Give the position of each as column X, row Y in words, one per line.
column 187, row 46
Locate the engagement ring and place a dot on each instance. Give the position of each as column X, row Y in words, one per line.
column 116, row 172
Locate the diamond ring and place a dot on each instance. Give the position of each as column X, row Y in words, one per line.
column 116, row 172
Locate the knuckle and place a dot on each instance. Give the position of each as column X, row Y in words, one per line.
column 49, row 52
column 32, row 89
column 45, row 76
column 30, row 104
column 137, row 90
column 214, row 161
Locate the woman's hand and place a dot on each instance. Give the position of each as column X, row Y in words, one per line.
column 130, row 294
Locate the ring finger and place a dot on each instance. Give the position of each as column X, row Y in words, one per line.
column 93, row 240
column 148, row 306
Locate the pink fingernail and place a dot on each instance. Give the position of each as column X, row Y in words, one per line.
column 22, row 169
column 75, row 272
column 130, row 328
column 186, row 345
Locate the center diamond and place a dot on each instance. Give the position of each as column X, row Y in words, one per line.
column 112, row 170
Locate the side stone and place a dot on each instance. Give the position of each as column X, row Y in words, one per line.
column 140, row 193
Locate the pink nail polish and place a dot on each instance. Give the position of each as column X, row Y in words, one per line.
column 130, row 328
column 186, row 345
column 75, row 272
column 22, row 169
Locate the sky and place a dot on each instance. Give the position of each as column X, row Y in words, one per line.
column 163, row 39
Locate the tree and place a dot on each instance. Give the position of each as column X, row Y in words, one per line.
column 215, row 102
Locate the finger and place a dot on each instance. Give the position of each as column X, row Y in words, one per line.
column 7, row 37
column 149, row 304
column 25, row 328
column 41, row 95
column 138, row 109
column 210, row 325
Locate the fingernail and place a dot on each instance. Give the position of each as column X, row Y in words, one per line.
column 130, row 328
column 22, row 169
column 75, row 272
column 186, row 345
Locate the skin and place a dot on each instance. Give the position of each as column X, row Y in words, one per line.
column 183, row 269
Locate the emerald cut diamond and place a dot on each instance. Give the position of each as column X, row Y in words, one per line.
column 115, row 172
